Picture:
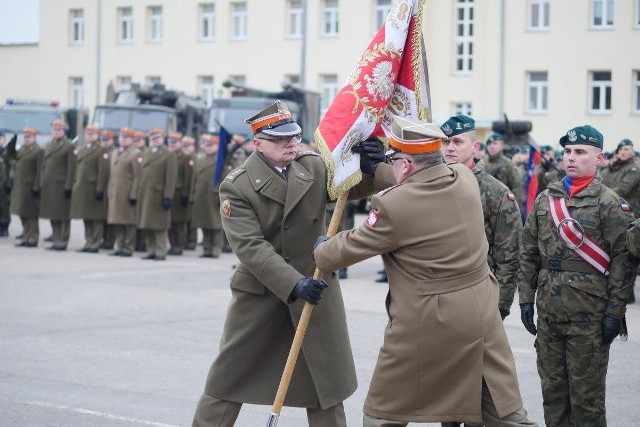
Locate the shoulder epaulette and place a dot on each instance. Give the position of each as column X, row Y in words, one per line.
column 234, row 174
column 306, row 153
column 386, row 190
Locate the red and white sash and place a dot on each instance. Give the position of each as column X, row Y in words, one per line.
column 589, row 250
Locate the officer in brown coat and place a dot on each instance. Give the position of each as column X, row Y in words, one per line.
column 205, row 209
column 56, row 182
column 87, row 198
column 126, row 163
column 189, row 148
column 155, row 194
column 180, row 205
column 25, row 201
column 272, row 208
column 106, row 142
column 445, row 355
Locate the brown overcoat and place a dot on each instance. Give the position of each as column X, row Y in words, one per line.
column 271, row 225
column 56, row 176
column 105, row 172
column 123, row 185
column 184, row 178
column 157, row 182
column 444, row 331
column 27, row 179
column 89, row 180
column 205, row 210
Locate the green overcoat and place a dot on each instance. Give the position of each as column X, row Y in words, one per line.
column 88, row 181
column 205, row 210
column 27, row 180
column 157, row 182
column 58, row 170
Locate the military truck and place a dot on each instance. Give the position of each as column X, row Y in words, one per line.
column 245, row 102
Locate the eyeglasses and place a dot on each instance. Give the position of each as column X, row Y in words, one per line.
column 283, row 139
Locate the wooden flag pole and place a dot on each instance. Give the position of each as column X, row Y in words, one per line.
column 301, row 330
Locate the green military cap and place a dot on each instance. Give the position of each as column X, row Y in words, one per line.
column 608, row 155
column 483, row 146
column 559, row 154
column 624, row 143
column 545, row 149
column 523, row 150
column 494, row 137
column 458, row 124
column 585, row 135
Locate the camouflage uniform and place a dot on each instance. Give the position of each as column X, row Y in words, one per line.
column 502, row 169
column 503, row 227
column 572, row 299
column 623, row 177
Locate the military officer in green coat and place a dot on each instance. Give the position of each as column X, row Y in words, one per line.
column 155, row 194
column 25, row 197
column 180, row 204
column 189, row 149
column 56, row 182
column 106, row 142
column 87, row 198
column 7, row 158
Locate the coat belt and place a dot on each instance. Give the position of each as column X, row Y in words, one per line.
column 454, row 283
column 577, row 266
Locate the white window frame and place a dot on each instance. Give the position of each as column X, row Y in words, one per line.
column 76, row 26
column 607, row 10
column 206, row 89
column 462, row 107
column 380, row 12
column 328, row 90
column 330, row 18
column 239, row 21
column 123, row 83
column 537, row 92
column 539, row 12
column 154, row 24
column 294, row 19
column 463, row 43
column 207, row 22
column 636, row 92
column 604, row 89
column 76, row 92
column 125, row 25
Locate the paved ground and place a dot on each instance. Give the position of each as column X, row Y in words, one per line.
column 94, row 340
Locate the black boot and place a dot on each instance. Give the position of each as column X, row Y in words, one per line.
column 383, row 277
column 4, row 230
column 342, row 273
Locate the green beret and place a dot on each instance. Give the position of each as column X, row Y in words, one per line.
column 483, row 146
column 523, row 150
column 545, row 149
column 457, row 125
column 623, row 143
column 586, row 135
column 494, row 137
column 608, row 155
column 559, row 154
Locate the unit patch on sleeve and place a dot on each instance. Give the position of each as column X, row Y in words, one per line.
column 372, row 219
column 226, row 208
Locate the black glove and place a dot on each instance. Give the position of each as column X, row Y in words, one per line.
column 319, row 239
column 166, row 203
column 132, row 202
column 371, row 154
column 184, row 200
column 8, row 186
column 67, row 193
column 99, row 196
column 35, row 193
column 309, row 290
column 610, row 328
column 526, row 314
column 504, row 312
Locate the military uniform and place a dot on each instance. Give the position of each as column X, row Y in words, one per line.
column 7, row 157
column 56, row 182
column 623, row 177
column 87, row 198
column 108, row 235
column 25, row 201
column 180, row 206
column 157, row 185
column 502, row 169
column 205, row 209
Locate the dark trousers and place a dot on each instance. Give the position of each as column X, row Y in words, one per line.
column 212, row 241
column 61, row 229
column 108, row 235
column 93, row 231
column 178, row 235
column 156, row 242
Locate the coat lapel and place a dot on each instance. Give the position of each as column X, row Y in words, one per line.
column 53, row 147
column 300, row 181
column 265, row 179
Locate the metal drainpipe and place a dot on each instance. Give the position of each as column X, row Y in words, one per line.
column 501, row 60
column 303, row 52
column 98, row 43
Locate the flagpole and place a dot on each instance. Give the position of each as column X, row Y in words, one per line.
column 301, row 330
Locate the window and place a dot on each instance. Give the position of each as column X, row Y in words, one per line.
column 600, row 92
column 462, row 108
column 238, row 79
column 76, row 92
column 238, row 21
column 207, row 22
column 328, row 90
column 602, row 11
column 123, row 83
column 294, row 19
column 205, row 89
column 125, row 26
column 293, row 79
column 330, row 18
column 636, row 92
column 155, row 23
column 537, row 87
column 77, row 26
column 152, row 80
column 539, row 14
column 464, row 36
column 381, row 11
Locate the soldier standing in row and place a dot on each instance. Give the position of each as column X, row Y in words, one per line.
column 126, row 163
column 500, row 167
column 140, row 142
column 106, row 142
column 7, row 156
column 623, row 175
column 180, row 205
column 189, row 148
column 574, row 265
column 205, row 208
column 87, row 198
column 502, row 220
column 25, row 200
column 56, row 182
column 155, row 195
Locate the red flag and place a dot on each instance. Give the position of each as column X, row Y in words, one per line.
column 389, row 79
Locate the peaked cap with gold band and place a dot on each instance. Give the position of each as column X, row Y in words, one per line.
column 274, row 120
column 414, row 137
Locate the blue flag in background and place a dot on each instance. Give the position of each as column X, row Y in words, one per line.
column 224, row 136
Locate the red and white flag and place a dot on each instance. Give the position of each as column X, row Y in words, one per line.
column 389, row 79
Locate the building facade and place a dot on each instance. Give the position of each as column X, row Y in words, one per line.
column 557, row 63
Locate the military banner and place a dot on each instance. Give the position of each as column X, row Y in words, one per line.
column 389, row 79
